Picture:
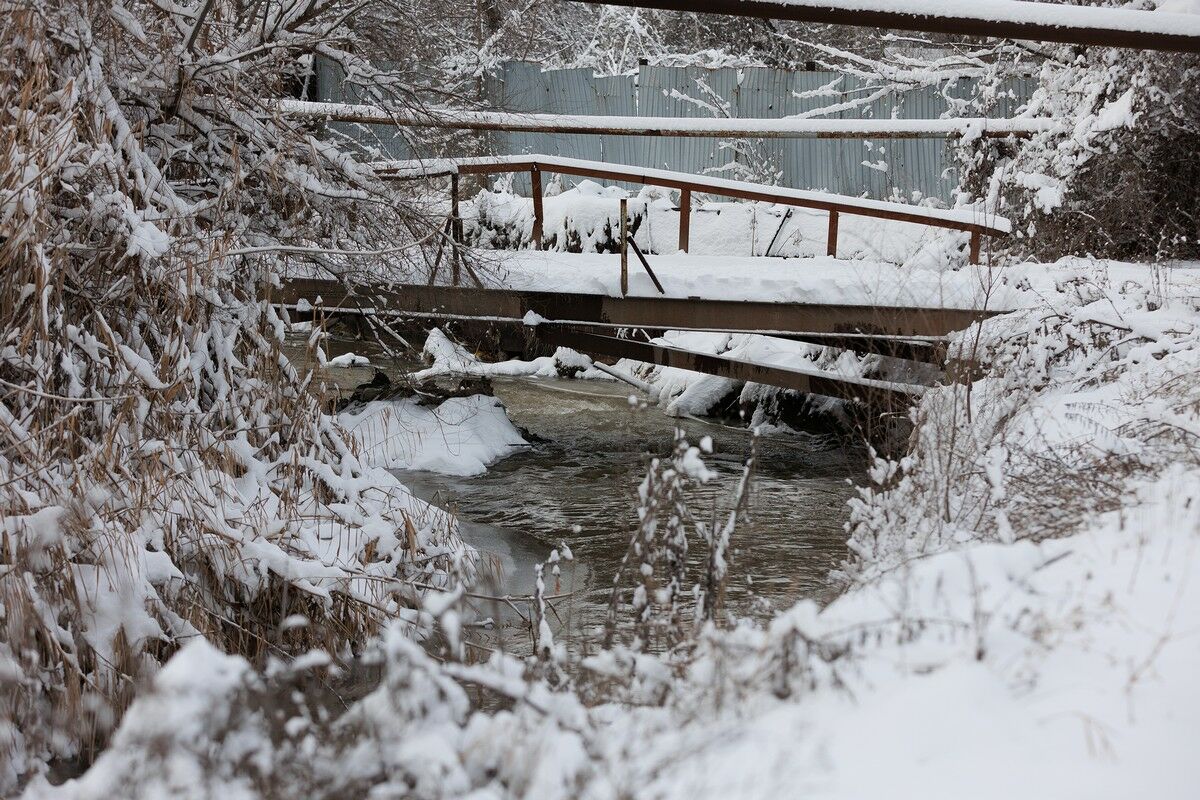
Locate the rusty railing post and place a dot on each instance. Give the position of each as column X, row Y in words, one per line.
column 685, row 218
column 975, row 244
column 831, row 242
column 624, row 247
column 535, row 179
column 456, row 231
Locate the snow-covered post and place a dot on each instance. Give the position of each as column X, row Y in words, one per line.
column 831, row 242
column 685, row 218
column 535, row 182
column 624, row 246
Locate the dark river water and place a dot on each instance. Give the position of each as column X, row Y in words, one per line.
column 577, row 483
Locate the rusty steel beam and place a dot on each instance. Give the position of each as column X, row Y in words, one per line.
column 926, row 349
column 1104, row 27
column 634, row 312
column 810, row 381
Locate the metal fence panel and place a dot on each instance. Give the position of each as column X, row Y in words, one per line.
column 877, row 169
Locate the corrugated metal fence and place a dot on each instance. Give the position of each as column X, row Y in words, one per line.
column 847, row 166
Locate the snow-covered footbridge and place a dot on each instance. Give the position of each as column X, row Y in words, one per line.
column 619, row 304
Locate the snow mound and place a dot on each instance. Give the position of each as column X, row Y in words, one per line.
column 462, row 436
column 348, row 360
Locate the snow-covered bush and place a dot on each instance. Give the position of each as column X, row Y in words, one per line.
column 1080, row 395
column 1118, row 178
column 165, row 472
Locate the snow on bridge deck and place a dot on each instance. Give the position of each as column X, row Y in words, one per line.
column 816, row 280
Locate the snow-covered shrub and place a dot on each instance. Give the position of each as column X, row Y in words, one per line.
column 583, row 219
column 165, row 472
column 1118, row 177
column 1079, row 395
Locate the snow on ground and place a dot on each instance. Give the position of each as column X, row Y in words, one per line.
column 461, row 436
column 1022, row 620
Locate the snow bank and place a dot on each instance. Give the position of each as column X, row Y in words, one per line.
column 462, row 436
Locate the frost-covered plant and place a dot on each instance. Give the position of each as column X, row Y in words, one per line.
column 717, row 535
column 663, row 597
column 1118, row 178
column 749, row 160
column 657, row 553
column 166, row 473
column 1077, row 395
column 546, row 663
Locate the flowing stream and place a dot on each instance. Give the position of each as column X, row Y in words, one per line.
column 577, row 483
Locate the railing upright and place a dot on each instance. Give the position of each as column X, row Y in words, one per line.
column 456, row 231
column 685, row 218
column 624, row 247
column 535, row 181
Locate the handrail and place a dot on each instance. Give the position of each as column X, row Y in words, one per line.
column 970, row 220
column 694, row 127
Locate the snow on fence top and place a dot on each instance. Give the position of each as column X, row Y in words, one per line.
column 974, row 220
column 781, row 128
column 1012, row 19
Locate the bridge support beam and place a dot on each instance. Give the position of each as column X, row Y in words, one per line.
column 539, row 216
column 635, row 312
column 884, row 395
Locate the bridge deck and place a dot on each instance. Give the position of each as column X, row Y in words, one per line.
column 819, row 280
column 606, row 326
